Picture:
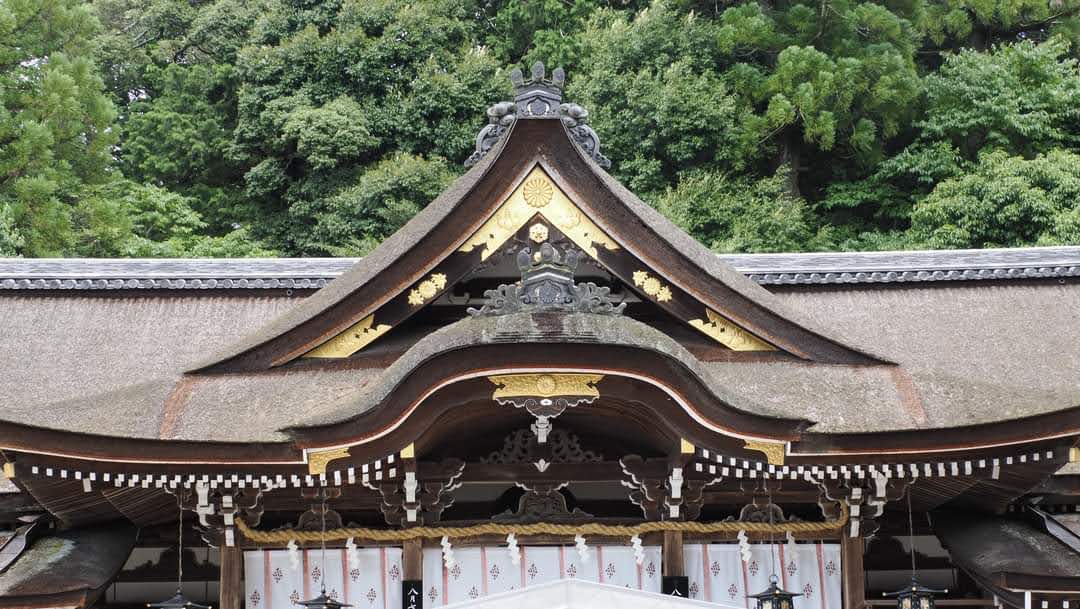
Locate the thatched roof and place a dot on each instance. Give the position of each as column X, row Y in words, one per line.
column 968, row 353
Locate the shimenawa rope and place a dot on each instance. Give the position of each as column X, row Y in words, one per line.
column 540, row 528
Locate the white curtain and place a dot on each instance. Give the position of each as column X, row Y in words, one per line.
column 488, row 570
column 718, row 574
column 272, row 582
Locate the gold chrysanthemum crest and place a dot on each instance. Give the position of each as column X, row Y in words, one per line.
column 536, row 196
column 538, row 192
column 652, row 286
column 427, row 289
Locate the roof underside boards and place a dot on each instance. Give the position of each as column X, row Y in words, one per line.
column 822, row 268
column 68, row 568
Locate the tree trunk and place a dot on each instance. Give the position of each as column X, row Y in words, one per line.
column 788, row 159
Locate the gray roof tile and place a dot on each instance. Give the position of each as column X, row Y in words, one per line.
column 766, row 269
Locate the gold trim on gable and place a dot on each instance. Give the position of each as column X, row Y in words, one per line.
column 545, row 385
column 538, row 195
column 319, row 459
column 355, row 338
column 723, row 331
column 774, row 452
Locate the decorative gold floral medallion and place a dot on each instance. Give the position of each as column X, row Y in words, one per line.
column 652, row 286
column 538, row 232
column 538, row 192
column 427, row 289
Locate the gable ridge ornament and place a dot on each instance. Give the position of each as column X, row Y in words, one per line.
column 538, row 97
column 547, row 283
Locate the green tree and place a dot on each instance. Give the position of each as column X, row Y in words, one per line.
column 122, row 218
column 1020, row 97
column 741, row 215
column 1005, row 201
column 55, row 121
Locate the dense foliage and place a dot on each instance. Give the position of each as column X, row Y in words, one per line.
column 314, row 127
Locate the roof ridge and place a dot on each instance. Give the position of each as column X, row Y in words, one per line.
column 904, row 266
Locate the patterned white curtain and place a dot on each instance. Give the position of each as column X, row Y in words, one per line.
column 718, row 574
column 272, row 582
column 487, row 570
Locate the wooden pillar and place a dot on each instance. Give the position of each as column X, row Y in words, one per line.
column 851, row 559
column 412, row 585
column 231, row 588
column 673, row 554
column 412, row 559
column 673, row 569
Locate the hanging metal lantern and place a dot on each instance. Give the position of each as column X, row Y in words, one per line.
column 775, row 597
column 322, row 602
column 915, row 596
column 177, row 602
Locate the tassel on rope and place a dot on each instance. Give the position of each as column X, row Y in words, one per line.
column 512, row 550
column 352, row 553
column 294, row 555
column 639, row 552
column 448, row 553
column 582, row 547
column 744, row 546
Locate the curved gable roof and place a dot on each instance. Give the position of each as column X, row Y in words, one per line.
column 710, row 289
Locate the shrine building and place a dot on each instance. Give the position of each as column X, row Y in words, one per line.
column 542, row 393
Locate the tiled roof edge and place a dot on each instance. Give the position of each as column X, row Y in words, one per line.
column 765, row 269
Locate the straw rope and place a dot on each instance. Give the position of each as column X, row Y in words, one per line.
column 541, row 528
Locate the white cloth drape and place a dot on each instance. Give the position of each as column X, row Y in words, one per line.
column 271, row 582
column 488, row 570
column 717, row 573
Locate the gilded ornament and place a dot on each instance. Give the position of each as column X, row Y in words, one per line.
column 538, row 232
column 774, row 452
column 728, row 334
column 318, row 459
column 652, row 286
column 520, row 208
column 545, row 385
column 355, row 338
column 538, row 192
column 427, row 289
